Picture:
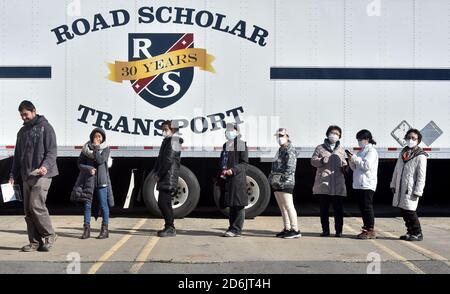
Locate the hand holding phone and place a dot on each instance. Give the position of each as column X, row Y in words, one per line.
column 349, row 154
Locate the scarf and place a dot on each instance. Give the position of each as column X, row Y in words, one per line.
column 327, row 144
column 88, row 149
column 410, row 153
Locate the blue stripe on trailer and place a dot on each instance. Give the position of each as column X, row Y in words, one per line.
column 25, row 72
column 335, row 73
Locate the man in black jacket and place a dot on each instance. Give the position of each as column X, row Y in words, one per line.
column 35, row 162
column 167, row 170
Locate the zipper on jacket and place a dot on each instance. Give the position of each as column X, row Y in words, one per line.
column 400, row 186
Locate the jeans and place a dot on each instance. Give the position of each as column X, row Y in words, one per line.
column 237, row 217
column 102, row 194
column 365, row 198
column 165, row 205
column 338, row 208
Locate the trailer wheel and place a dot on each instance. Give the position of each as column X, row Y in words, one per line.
column 184, row 201
column 258, row 190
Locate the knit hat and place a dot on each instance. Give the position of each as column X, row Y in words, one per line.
column 282, row 132
column 97, row 130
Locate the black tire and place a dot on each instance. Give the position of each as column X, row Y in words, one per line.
column 264, row 194
column 192, row 198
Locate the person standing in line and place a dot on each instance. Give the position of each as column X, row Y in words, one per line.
column 167, row 170
column 365, row 175
column 329, row 159
column 408, row 183
column 232, row 179
column 94, row 183
column 35, row 163
column 282, row 180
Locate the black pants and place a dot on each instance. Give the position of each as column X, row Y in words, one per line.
column 237, row 217
column 165, row 205
column 338, row 208
column 365, row 198
column 411, row 221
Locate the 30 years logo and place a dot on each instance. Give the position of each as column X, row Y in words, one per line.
column 160, row 67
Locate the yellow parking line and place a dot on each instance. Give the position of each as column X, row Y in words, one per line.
column 428, row 253
column 116, row 247
column 143, row 256
column 391, row 252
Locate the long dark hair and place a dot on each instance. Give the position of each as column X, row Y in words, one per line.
column 365, row 135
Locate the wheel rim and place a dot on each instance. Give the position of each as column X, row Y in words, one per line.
column 180, row 197
column 253, row 192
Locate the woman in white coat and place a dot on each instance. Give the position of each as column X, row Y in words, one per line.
column 408, row 183
column 365, row 176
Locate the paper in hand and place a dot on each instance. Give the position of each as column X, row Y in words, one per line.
column 11, row 193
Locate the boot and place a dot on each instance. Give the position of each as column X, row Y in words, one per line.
column 103, row 232
column 86, row 231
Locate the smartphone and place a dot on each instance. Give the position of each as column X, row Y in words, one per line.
column 349, row 154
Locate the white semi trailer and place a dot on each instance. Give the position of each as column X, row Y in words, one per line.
column 126, row 66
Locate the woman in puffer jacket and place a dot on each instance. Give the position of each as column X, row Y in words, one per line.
column 282, row 180
column 94, row 163
column 167, row 170
column 365, row 176
column 408, row 183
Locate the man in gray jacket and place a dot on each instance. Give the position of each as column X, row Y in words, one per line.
column 35, row 162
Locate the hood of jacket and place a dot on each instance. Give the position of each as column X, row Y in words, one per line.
column 38, row 119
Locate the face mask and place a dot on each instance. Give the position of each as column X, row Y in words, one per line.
column 333, row 138
column 411, row 143
column 230, row 135
column 166, row 134
column 282, row 141
column 361, row 144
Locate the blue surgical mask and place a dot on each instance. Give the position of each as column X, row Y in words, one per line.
column 362, row 144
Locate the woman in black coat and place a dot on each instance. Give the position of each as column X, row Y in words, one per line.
column 167, row 170
column 94, row 163
column 232, row 179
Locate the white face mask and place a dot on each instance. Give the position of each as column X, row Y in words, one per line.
column 333, row 138
column 411, row 143
column 231, row 135
column 281, row 141
column 362, row 144
column 166, row 134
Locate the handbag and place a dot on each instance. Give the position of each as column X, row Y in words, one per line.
column 275, row 180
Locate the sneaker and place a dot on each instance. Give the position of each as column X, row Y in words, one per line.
column 325, row 234
column 167, row 232
column 338, row 234
column 405, row 236
column 282, row 233
column 48, row 243
column 367, row 234
column 418, row 237
column 292, row 234
column 231, row 234
column 30, row 247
